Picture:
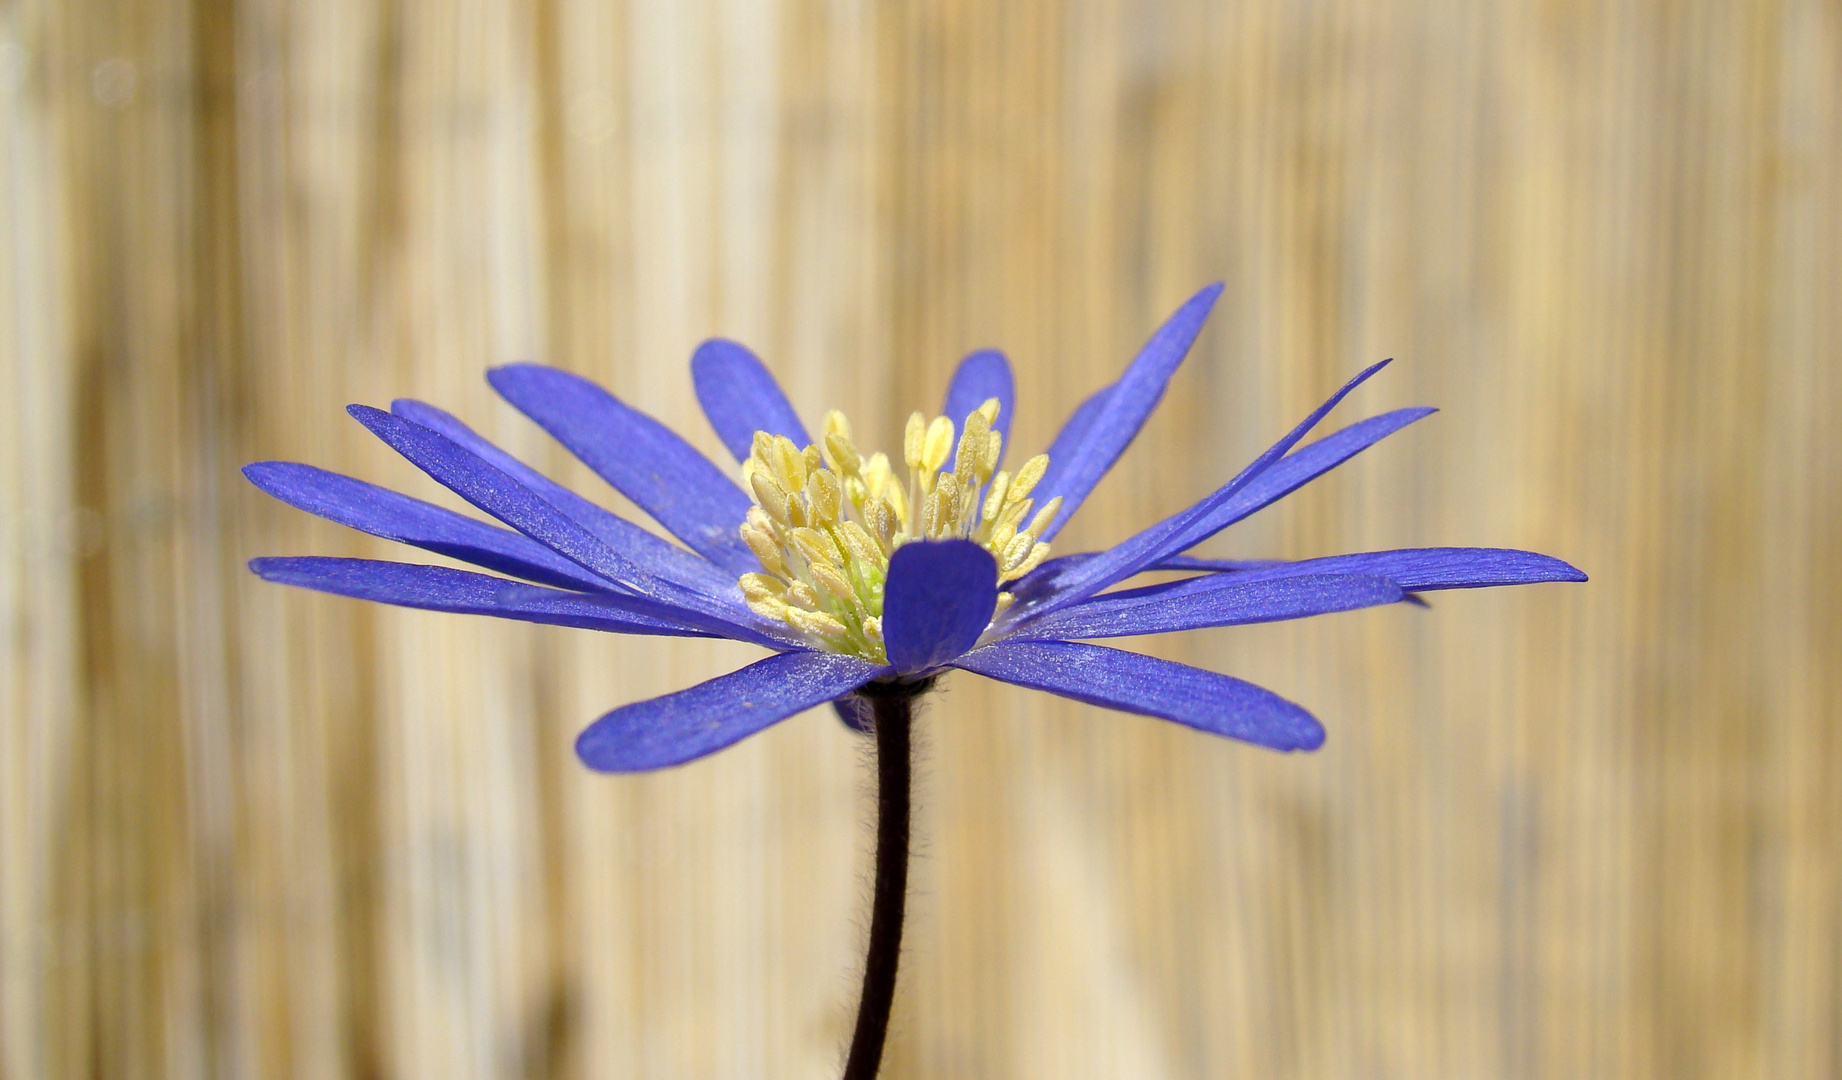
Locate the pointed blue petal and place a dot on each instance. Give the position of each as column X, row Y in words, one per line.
column 740, row 397
column 1234, row 602
column 981, row 376
column 1297, row 469
column 518, row 506
column 856, row 713
column 393, row 516
column 1133, row 397
column 642, row 458
column 1129, row 682
column 438, row 588
column 1190, row 562
column 1414, row 569
column 1072, row 436
column 938, row 601
column 653, row 554
column 676, row 728
column 1160, row 541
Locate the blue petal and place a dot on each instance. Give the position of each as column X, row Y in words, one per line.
column 1132, row 398
column 393, row 516
column 857, row 714
column 1297, row 469
column 938, row 601
column 518, row 506
column 1218, row 704
column 1234, row 601
column 676, row 728
column 642, row 458
column 1162, row 540
column 740, row 397
column 1073, row 434
column 654, row 554
column 1189, row 562
column 1415, row 569
column 981, row 376
column 438, row 588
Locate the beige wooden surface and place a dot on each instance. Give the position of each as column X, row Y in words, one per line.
column 1565, row 831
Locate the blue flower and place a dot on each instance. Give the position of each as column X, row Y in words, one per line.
column 849, row 574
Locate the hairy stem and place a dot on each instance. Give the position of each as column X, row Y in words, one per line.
column 894, row 772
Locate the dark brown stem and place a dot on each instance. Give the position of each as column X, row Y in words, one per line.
column 894, row 774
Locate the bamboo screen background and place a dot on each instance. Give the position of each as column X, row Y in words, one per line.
column 1562, row 831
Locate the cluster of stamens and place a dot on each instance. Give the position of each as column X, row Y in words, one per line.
column 826, row 519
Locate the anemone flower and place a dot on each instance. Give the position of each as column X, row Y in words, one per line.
column 864, row 583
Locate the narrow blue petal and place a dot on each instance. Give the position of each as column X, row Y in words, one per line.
column 856, row 713
column 654, row 554
column 1234, row 602
column 1129, row 682
column 393, row 516
column 503, row 497
column 438, row 588
column 938, row 601
column 1118, row 421
column 642, row 458
column 1414, row 569
column 676, row 728
column 1073, row 434
column 1190, row 562
column 981, row 376
column 740, row 397
column 1162, row 540
column 1297, row 469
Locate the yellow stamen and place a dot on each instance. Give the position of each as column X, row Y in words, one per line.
column 827, row 518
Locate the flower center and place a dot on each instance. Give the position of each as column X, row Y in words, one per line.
column 826, row 520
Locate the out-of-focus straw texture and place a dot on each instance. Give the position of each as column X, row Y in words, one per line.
column 1564, row 831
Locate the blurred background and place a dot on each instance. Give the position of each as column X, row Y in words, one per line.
column 1558, row 831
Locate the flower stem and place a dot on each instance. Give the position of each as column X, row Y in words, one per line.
column 893, row 708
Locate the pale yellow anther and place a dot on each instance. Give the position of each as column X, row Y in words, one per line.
column 914, row 441
column 803, row 596
column 1015, row 511
column 994, row 449
column 939, row 444
column 827, row 577
column 877, row 473
column 815, row 547
column 897, row 498
column 989, row 410
column 1001, row 537
column 1044, row 516
column 971, row 454
column 1029, row 476
column 1037, row 556
column 816, row 623
column 931, row 515
column 771, row 497
column 824, row 496
column 842, row 454
column 995, row 495
column 769, row 607
column 1016, row 551
column 873, row 628
column 761, row 586
column 880, row 521
column 949, row 489
column 789, row 464
column 814, row 460
column 860, row 545
column 1005, row 600
column 761, row 447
